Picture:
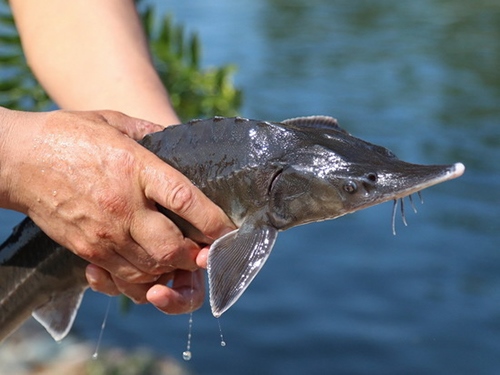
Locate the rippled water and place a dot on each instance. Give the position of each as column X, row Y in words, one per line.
column 346, row 296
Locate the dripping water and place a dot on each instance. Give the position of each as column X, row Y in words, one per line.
column 402, row 209
column 103, row 325
column 187, row 355
column 222, row 342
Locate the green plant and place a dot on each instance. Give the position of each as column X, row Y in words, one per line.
column 194, row 91
column 18, row 88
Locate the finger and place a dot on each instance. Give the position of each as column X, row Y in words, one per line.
column 186, row 294
column 125, row 258
column 136, row 292
column 133, row 127
column 121, row 267
column 175, row 192
column 100, row 280
column 163, row 242
column 202, row 257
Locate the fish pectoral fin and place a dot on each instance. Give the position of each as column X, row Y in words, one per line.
column 58, row 315
column 233, row 262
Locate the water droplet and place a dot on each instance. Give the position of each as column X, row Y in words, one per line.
column 222, row 342
column 186, row 355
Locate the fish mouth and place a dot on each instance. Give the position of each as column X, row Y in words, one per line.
column 447, row 173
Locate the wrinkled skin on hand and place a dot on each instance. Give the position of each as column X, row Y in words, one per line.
column 89, row 186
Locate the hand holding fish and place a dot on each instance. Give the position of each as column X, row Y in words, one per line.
column 83, row 179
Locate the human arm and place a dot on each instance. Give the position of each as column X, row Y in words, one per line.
column 92, row 54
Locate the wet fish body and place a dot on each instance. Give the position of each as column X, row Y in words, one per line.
column 266, row 176
column 41, row 278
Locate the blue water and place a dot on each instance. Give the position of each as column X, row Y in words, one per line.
column 346, row 296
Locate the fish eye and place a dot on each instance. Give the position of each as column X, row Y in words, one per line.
column 350, row 187
column 372, row 177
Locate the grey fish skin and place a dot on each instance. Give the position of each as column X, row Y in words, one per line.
column 267, row 177
column 41, row 278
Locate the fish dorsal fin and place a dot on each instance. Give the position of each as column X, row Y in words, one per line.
column 58, row 315
column 233, row 262
column 315, row 122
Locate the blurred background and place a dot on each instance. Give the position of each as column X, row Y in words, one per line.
column 346, row 296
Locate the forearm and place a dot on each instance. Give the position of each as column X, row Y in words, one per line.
column 5, row 120
column 15, row 128
column 92, row 54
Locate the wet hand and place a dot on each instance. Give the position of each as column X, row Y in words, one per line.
column 185, row 293
column 83, row 179
column 176, row 292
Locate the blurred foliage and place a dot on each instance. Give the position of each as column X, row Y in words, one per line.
column 139, row 362
column 18, row 88
column 194, row 91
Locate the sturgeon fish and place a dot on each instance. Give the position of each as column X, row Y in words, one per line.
column 266, row 176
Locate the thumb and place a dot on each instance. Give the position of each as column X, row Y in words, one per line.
column 172, row 190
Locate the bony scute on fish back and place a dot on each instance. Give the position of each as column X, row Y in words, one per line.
column 266, row 176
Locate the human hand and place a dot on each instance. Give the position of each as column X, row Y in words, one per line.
column 176, row 292
column 185, row 293
column 91, row 188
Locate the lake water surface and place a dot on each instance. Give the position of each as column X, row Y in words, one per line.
column 346, row 296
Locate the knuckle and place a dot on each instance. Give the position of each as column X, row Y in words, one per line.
column 180, row 198
column 88, row 252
